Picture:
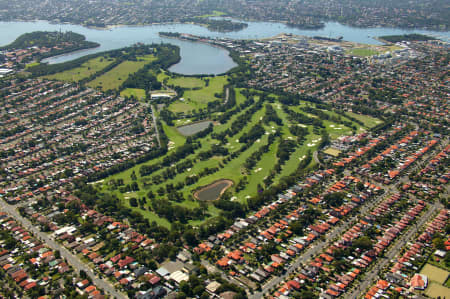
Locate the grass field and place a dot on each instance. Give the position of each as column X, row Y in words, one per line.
column 435, row 274
column 136, row 92
column 196, row 99
column 87, row 69
column 363, row 52
column 184, row 82
column 187, row 82
column 215, row 13
column 367, row 120
column 31, row 64
column 115, row 77
column 435, row 290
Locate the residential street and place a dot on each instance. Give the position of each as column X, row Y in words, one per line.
column 317, row 247
column 71, row 258
column 370, row 277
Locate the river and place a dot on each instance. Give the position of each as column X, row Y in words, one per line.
column 196, row 58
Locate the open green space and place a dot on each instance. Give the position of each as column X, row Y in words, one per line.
column 87, row 69
column 135, row 92
column 196, row 97
column 114, row 78
column 181, row 81
column 363, row 52
column 31, row 64
column 197, row 93
column 367, row 120
column 215, row 13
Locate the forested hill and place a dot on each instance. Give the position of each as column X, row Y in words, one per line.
column 69, row 41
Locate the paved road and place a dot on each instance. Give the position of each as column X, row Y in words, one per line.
column 154, row 124
column 317, row 247
column 316, row 158
column 66, row 254
column 370, row 277
column 227, row 96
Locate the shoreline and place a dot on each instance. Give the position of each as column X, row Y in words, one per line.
column 68, row 53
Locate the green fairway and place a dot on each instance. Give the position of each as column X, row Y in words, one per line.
column 174, row 136
column 135, row 92
column 310, row 145
column 229, row 166
column 199, row 97
column 87, row 69
column 151, row 216
column 115, row 77
column 336, row 130
column 367, row 120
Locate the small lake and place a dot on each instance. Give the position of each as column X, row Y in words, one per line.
column 213, row 191
column 196, row 58
column 189, row 130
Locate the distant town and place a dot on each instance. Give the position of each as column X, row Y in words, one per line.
column 310, row 14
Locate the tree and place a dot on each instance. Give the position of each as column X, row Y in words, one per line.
column 190, row 237
column 334, row 199
column 133, row 202
column 363, row 243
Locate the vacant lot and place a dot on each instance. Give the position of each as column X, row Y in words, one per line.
column 87, row 69
column 434, row 273
column 115, row 77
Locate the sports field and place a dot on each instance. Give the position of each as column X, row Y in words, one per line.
column 434, row 273
column 135, row 92
column 435, row 290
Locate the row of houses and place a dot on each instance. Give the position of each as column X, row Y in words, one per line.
column 36, row 270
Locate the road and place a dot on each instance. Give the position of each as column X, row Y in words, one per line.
column 317, row 247
column 370, row 277
column 154, row 124
column 73, row 260
column 227, row 96
column 316, row 158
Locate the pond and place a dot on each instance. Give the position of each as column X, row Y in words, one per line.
column 213, row 191
column 189, row 130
